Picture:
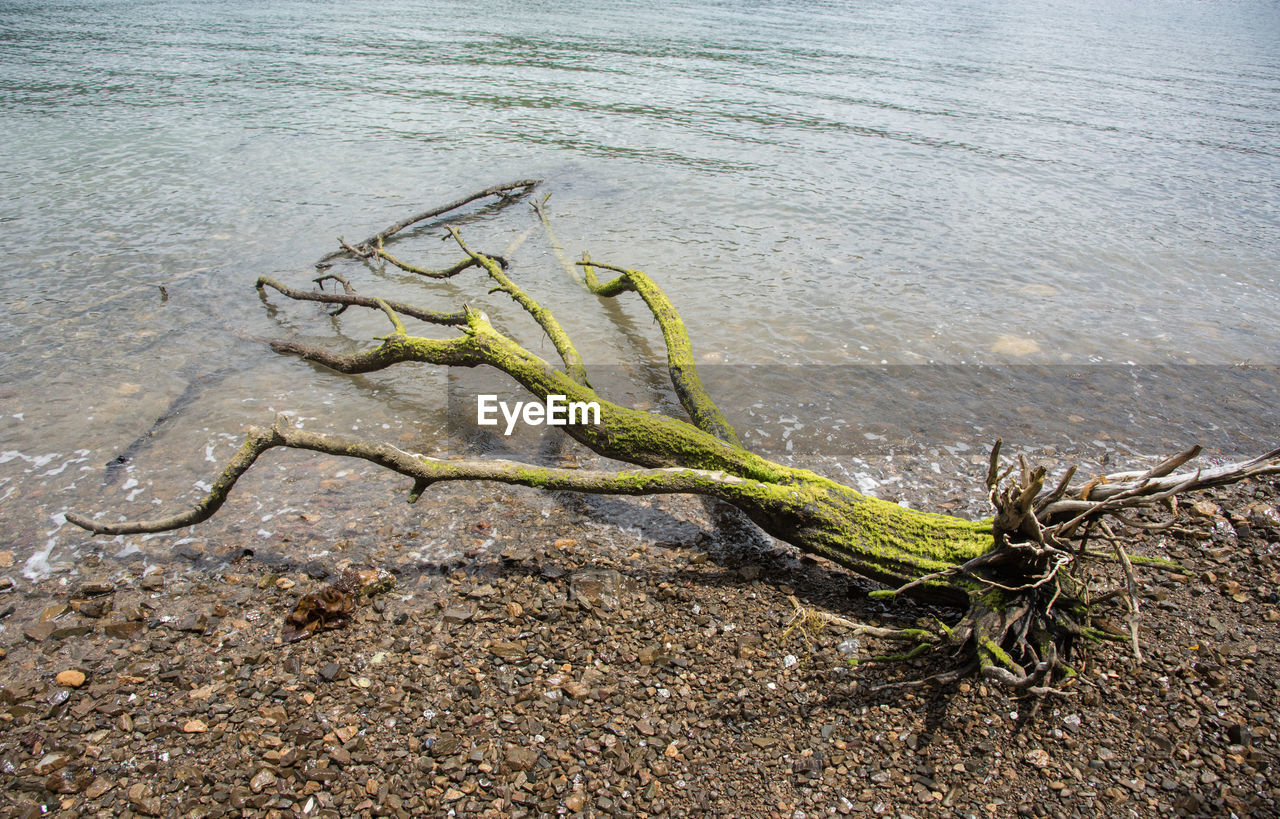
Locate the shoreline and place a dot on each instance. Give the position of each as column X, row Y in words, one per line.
column 599, row 673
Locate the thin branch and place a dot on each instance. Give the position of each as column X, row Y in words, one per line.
column 395, row 320
column 349, row 298
column 695, row 399
column 569, row 267
column 522, row 185
column 447, row 273
column 1131, row 588
column 424, row 471
column 559, row 338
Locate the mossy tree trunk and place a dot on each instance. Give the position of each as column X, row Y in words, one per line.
column 1012, row 574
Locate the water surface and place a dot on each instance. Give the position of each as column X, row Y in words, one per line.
column 838, row 184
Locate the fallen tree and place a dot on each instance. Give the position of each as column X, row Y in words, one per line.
column 1021, row 577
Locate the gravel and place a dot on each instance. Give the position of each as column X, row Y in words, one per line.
column 569, row 672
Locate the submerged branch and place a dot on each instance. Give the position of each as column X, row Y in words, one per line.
column 523, row 186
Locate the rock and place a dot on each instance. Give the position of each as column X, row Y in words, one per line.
column 95, row 589
column 50, row 763
column 458, row 614
column 130, row 611
column 98, row 787
column 329, row 672
column 508, row 651
column 71, row 678
column 596, row 589
column 194, row 726
column 91, row 608
column 521, row 759
column 347, row 733
column 653, row 655
column 575, row 802
column 67, row 632
column 577, row 690
column 262, row 780
column 122, row 630
column 1239, row 734
column 38, row 632
column 196, row 623
column 1038, row 758
column 1206, row 509
column 142, row 801
column 51, row 613
column 1014, row 345
column 6, row 559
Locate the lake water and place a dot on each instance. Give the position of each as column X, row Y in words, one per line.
column 896, row 230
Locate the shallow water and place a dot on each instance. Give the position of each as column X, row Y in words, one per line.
column 901, row 184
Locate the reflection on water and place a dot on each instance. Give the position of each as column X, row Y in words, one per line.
column 814, row 184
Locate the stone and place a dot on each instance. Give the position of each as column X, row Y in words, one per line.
column 458, row 614
column 1015, row 346
column 95, row 589
column 577, row 690
column 596, row 589
column 51, row 613
column 653, row 655
column 50, row 763
column 1038, row 758
column 38, row 632
column 92, row 608
column 98, row 787
column 521, row 759
column 196, row 623
column 71, row 678
column 126, row 630
column 262, row 780
column 507, row 651
column 194, row 726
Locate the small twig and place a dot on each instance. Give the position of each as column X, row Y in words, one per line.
column 1134, row 613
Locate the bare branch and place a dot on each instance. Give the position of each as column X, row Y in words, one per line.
column 522, row 186
column 446, row 273
column 349, row 298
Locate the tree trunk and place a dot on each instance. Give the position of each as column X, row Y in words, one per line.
column 1016, row 576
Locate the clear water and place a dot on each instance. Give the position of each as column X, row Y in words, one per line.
column 836, row 184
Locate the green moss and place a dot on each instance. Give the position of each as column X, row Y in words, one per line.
column 989, row 647
column 877, row 538
column 993, row 600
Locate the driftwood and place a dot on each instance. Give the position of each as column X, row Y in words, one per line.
column 1020, row 577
